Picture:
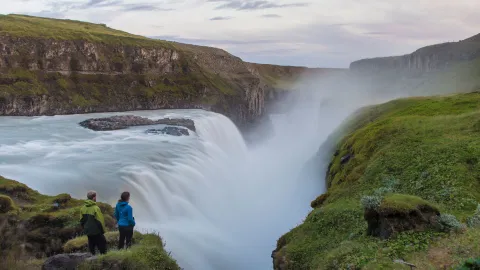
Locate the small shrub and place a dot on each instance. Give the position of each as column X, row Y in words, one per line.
column 470, row 264
column 449, row 222
column 382, row 191
column 371, row 202
column 6, row 204
column 474, row 221
column 390, row 183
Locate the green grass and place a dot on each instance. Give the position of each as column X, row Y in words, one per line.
column 47, row 28
column 429, row 146
column 42, row 222
column 148, row 254
column 404, row 203
column 80, row 244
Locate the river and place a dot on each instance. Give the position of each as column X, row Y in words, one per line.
column 217, row 202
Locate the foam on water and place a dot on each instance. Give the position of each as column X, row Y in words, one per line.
column 217, row 203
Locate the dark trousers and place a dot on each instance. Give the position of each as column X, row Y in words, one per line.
column 98, row 241
column 126, row 234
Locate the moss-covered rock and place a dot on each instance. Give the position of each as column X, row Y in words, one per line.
column 430, row 147
column 398, row 213
column 319, row 200
column 6, row 204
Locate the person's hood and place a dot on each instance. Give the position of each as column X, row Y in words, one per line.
column 122, row 204
column 89, row 203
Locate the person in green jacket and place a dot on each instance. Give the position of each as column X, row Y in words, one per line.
column 93, row 224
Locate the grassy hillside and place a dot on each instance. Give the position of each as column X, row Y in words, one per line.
column 34, row 226
column 45, row 28
column 422, row 147
column 284, row 77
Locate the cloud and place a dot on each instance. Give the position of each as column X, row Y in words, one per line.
column 271, row 16
column 143, row 7
column 220, row 18
column 100, row 3
column 253, row 5
column 377, row 33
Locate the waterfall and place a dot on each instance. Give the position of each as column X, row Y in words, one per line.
column 217, row 203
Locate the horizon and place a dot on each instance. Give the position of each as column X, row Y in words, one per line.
column 288, row 33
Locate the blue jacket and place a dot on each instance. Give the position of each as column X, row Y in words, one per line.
column 123, row 214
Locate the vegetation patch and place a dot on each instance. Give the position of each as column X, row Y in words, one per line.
column 404, row 203
column 45, row 28
column 6, row 204
column 148, row 254
column 36, row 225
column 80, row 244
column 430, row 147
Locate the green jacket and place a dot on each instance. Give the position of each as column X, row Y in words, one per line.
column 91, row 219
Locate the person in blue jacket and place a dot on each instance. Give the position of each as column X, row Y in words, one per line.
column 125, row 220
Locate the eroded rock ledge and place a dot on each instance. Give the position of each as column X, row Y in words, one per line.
column 125, row 121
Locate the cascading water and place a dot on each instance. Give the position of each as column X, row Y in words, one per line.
column 217, row 203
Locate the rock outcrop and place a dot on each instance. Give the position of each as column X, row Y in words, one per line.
column 65, row 261
column 124, row 121
column 427, row 59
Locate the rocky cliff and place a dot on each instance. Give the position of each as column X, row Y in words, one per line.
column 52, row 67
column 430, row 58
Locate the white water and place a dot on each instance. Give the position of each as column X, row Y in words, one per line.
column 217, row 203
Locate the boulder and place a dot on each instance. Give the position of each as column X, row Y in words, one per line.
column 124, row 121
column 398, row 213
column 345, row 158
column 175, row 131
column 65, row 261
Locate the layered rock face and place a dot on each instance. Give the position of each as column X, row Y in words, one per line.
column 427, row 59
column 91, row 68
column 46, row 77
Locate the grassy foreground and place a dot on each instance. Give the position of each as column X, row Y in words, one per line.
column 34, row 226
column 416, row 151
column 149, row 253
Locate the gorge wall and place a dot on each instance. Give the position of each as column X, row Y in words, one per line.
column 426, row 59
column 50, row 67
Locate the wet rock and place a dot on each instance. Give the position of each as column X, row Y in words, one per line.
column 175, row 131
column 319, row 201
column 125, row 121
column 65, row 261
column 345, row 159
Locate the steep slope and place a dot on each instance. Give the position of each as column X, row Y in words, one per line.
column 52, row 66
column 397, row 158
column 430, row 58
column 437, row 69
column 34, row 226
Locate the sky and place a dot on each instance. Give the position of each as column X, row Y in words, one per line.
column 313, row 33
